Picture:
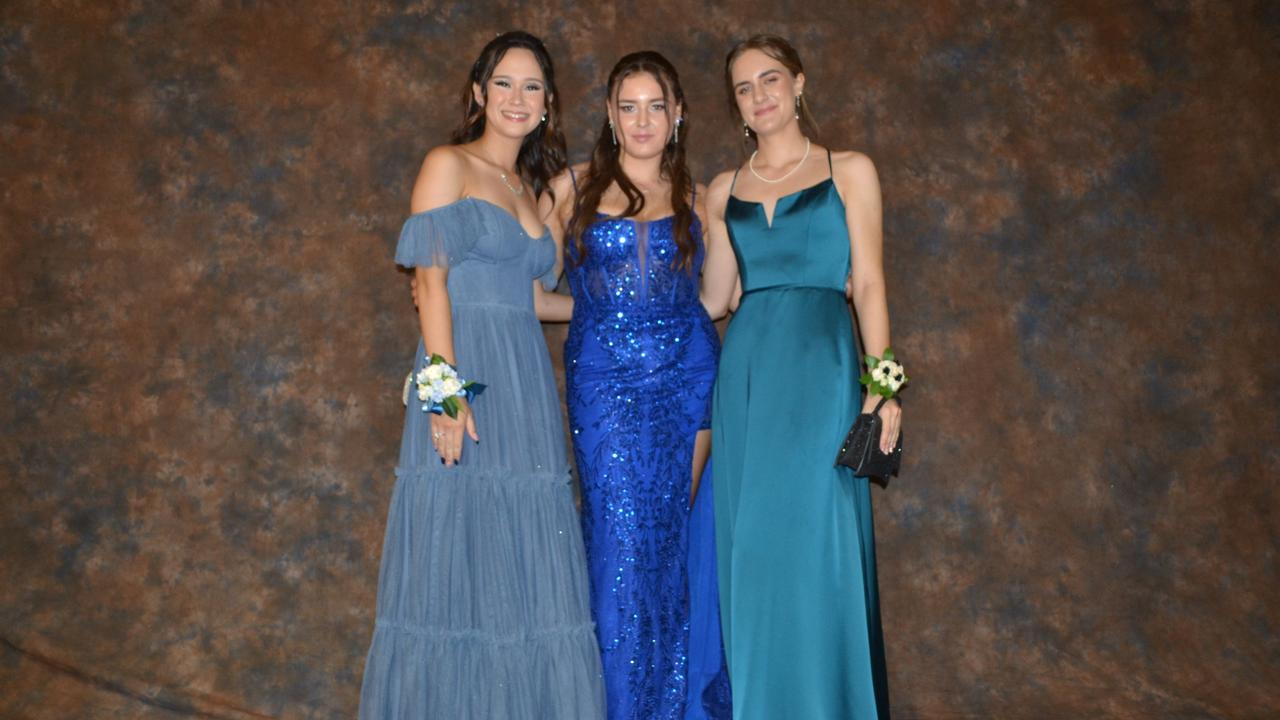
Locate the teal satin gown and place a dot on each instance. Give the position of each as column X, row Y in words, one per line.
column 798, row 595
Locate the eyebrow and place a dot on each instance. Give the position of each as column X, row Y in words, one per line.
column 508, row 77
column 766, row 73
column 633, row 101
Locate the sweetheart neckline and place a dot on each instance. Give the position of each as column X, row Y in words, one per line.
column 607, row 216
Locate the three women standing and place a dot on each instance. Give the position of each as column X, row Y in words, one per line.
column 482, row 608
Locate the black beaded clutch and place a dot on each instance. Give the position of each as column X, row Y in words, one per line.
column 861, row 449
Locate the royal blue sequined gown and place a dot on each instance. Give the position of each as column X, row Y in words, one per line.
column 640, row 363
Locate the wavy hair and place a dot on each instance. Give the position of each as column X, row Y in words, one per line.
column 606, row 162
column 542, row 153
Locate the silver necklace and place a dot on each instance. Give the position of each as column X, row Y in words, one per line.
column 751, row 163
column 518, row 190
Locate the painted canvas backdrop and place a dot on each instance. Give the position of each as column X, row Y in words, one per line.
column 202, row 335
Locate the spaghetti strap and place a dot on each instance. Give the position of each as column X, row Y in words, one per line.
column 734, row 182
column 830, row 168
column 693, row 197
column 574, row 179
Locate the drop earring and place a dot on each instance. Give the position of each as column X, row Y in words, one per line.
column 675, row 134
column 746, row 131
column 614, row 133
column 544, row 117
column 798, row 105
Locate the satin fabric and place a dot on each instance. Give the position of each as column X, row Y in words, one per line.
column 798, row 591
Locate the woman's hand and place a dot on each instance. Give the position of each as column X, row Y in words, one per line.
column 446, row 432
column 890, row 417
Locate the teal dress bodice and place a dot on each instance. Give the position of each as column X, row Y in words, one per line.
column 806, row 246
column 796, row 551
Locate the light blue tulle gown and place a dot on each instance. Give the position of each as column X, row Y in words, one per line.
column 794, row 533
column 483, row 610
column 640, row 362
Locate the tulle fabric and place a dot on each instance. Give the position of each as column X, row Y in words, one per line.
column 482, row 596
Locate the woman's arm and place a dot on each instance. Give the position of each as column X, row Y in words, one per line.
column 555, row 208
column 551, row 306
column 720, row 287
column 859, row 185
column 440, row 182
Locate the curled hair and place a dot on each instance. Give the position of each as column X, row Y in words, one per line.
column 542, row 153
column 779, row 49
column 606, row 163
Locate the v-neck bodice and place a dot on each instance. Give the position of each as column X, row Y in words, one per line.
column 807, row 245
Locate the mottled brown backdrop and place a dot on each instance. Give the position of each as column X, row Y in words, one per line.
column 203, row 335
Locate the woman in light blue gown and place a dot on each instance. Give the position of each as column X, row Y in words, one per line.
column 483, row 610
column 799, row 597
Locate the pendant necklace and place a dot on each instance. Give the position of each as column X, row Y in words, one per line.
column 518, row 189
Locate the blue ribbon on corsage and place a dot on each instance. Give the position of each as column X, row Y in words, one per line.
column 438, row 386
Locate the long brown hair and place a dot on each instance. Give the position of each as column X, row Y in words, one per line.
column 606, row 165
column 779, row 49
column 542, row 153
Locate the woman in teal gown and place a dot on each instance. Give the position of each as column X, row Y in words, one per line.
column 790, row 235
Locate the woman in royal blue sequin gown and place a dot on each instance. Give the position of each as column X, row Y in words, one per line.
column 640, row 363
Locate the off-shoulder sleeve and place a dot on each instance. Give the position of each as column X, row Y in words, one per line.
column 544, row 263
column 550, row 279
column 441, row 237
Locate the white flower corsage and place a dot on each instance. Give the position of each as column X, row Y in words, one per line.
column 884, row 376
column 439, row 387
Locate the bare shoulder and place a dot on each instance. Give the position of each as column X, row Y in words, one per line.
column 700, row 200
column 443, row 158
column 562, row 186
column 718, row 192
column 853, row 168
column 853, row 164
column 441, row 180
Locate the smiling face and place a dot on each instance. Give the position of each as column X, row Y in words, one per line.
column 641, row 116
column 765, row 91
column 515, row 95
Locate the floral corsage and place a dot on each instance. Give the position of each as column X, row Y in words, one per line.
column 439, row 387
column 884, row 376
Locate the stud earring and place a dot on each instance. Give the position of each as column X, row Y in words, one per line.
column 544, row 117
